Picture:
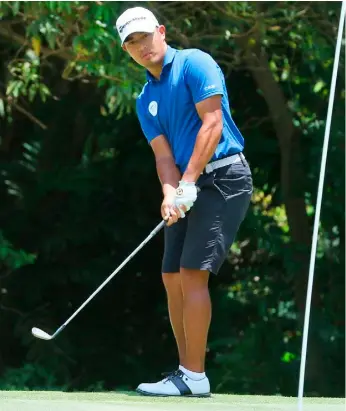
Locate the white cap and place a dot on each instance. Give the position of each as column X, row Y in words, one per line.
column 136, row 20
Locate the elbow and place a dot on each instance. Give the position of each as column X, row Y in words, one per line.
column 164, row 161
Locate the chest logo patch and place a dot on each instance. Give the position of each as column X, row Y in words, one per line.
column 153, row 108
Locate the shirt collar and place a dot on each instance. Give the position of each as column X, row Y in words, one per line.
column 169, row 57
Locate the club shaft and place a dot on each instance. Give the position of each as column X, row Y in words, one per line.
column 58, row 331
column 150, row 236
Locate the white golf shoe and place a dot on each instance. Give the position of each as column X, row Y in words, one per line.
column 176, row 384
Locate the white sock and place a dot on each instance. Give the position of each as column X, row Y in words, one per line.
column 191, row 374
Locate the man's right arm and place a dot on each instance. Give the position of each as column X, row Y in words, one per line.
column 167, row 171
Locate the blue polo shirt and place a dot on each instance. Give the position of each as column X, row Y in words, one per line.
column 167, row 106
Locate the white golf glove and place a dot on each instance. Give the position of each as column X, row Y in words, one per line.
column 186, row 195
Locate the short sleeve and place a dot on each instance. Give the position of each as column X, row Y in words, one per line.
column 203, row 76
column 149, row 128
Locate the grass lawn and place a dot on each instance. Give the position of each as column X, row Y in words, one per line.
column 128, row 401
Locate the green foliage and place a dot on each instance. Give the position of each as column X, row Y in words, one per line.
column 28, row 377
column 81, row 34
column 11, row 258
column 25, row 80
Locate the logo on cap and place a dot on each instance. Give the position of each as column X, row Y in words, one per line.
column 121, row 28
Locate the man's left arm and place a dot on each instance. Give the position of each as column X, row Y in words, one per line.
column 205, row 82
column 208, row 137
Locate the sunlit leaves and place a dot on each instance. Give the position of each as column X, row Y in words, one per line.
column 2, row 108
column 85, row 35
column 12, row 258
column 26, row 81
column 318, row 86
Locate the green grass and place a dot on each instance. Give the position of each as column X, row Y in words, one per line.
column 128, row 401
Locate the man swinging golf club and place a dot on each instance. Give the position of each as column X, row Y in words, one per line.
column 184, row 113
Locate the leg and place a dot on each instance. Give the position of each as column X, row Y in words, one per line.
column 183, row 382
column 213, row 223
column 195, row 308
column 172, row 283
column 174, row 241
column 197, row 317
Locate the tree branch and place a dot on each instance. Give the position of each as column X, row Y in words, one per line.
column 14, row 310
column 228, row 12
column 7, row 32
column 23, row 111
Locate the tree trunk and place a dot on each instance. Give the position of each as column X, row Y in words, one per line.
column 292, row 186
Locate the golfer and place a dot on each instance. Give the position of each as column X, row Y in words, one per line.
column 206, row 182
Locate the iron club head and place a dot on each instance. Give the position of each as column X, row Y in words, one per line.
column 36, row 332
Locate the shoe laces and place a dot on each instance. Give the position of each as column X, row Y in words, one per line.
column 169, row 375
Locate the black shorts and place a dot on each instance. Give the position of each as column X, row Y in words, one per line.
column 202, row 239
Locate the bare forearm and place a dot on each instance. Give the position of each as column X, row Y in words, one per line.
column 205, row 146
column 168, row 173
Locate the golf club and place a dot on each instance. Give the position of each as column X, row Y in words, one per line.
column 38, row 333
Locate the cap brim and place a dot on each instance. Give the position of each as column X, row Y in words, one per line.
column 138, row 27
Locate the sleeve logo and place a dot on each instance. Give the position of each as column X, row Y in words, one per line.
column 209, row 87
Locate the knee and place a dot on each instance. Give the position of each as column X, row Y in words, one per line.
column 194, row 280
column 172, row 282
